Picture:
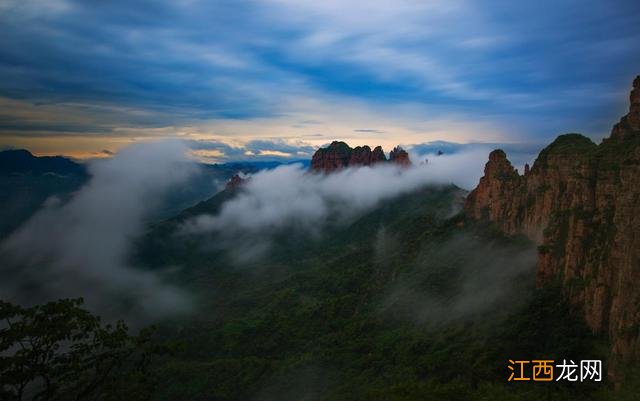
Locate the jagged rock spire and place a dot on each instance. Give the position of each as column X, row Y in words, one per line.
column 340, row 155
column 629, row 125
column 399, row 156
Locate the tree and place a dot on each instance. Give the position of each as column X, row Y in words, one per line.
column 59, row 351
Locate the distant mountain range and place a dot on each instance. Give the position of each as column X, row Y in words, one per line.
column 23, row 162
column 27, row 181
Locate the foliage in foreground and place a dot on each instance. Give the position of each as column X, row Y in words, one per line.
column 59, row 351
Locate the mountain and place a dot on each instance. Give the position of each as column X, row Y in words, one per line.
column 339, row 155
column 425, row 295
column 580, row 203
column 407, row 300
column 27, row 181
column 22, row 161
column 399, row 156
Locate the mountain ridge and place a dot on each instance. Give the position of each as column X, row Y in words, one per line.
column 339, row 155
column 580, row 202
column 23, row 161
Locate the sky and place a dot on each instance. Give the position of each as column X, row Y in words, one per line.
column 275, row 79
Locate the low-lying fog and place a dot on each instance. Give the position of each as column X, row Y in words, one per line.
column 81, row 248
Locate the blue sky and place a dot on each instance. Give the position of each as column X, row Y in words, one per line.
column 277, row 78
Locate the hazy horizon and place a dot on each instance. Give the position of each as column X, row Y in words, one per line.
column 265, row 79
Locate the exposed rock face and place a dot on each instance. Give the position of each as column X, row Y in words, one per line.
column 581, row 203
column 629, row 125
column 235, row 182
column 378, row 155
column 525, row 203
column 399, row 156
column 334, row 157
column 362, row 155
column 340, row 155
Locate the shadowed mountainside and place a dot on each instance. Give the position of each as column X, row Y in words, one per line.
column 27, row 181
column 409, row 300
column 580, row 202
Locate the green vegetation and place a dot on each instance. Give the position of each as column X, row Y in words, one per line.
column 409, row 301
column 22, row 194
column 59, row 351
column 568, row 144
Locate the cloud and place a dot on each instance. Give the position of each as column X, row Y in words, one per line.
column 255, row 150
column 290, row 198
column 518, row 153
column 461, row 278
column 118, row 68
column 296, row 149
column 80, row 248
column 368, row 130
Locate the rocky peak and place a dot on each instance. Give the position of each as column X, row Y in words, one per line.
column 634, row 106
column 362, row 155
column 498, row 163
column 235, row 182
column 339, row 155
column 499, row 167
column 378, row 155
column 629, row 125
column 500, row 178
column 579, row 203
column 336, row 156
column 399, row 156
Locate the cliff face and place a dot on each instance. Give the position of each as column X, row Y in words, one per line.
column 629, row 125
column 399, row 156
column 581, row 203
column 340, row 155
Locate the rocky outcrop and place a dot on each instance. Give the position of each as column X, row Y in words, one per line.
column 399, row 156
column 339, row 155
column 235, row 182
column 334, row 157
column 525, row 203
column 629, row 125
column 580, row 202
column 363, row 156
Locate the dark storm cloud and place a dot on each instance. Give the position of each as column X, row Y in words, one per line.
column 544, row 67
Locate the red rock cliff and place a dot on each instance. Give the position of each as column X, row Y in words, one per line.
column 580, row 202
column 339, row 155
column 399, row 156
